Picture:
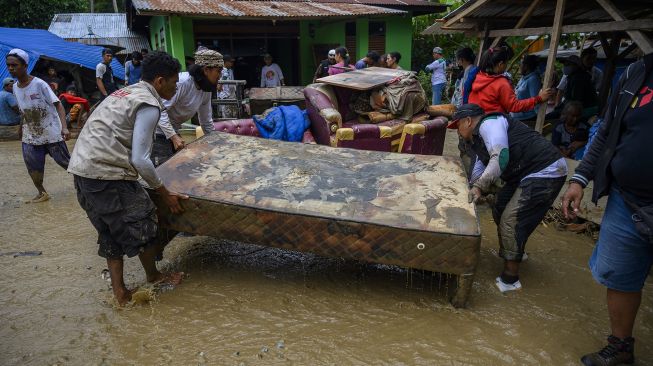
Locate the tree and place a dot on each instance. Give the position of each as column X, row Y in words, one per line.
column 36, row 13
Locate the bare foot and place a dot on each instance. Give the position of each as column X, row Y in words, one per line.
column 123, row 296
column 41, row 197
column 172, row 278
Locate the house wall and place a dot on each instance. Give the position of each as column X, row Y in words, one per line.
column 399, row 37
column 178, row 37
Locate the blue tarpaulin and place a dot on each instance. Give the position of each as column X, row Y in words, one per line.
column 41, row 43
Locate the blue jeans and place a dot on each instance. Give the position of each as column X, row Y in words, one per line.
column 622, row 258
column 437, row 93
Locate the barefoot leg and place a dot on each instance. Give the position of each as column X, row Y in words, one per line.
column 149, row 264
column 120, row 291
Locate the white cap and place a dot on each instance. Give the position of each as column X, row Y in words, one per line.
column 20, row 53
column 332, row 52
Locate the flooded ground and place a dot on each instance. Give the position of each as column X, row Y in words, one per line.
column 248, row 305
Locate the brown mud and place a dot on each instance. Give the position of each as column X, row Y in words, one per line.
column 248, row 305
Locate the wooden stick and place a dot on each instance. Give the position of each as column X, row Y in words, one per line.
column 522, row 21
column 637, row 36
column 550, row 62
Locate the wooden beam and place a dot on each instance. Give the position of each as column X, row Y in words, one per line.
column 626, row 25
column 483, row 44
column 611, row 50
column 636, row 35
column 550, row 62
column 456, row 18
column 522, row 21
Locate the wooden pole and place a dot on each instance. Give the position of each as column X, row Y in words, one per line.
column 611, row 50
column 550, row 62
column 636, row 35
column 522, row 21
column 483, row 44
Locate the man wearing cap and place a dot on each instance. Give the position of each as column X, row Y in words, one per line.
column 9, row 112
column 194, row 90
column 578, row 85
column 532, row 169
column 438, row 76
column 323, row 67
column 43, row 128
column 104, row 74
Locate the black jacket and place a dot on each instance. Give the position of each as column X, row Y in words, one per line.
column 596, row 163
column 528, row 151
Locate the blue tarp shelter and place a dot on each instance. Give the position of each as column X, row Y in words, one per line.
column 39, row 43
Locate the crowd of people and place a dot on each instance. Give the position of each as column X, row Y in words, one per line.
column 338, row 61
column 135, row 128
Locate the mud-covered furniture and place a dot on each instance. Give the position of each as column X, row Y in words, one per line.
column 425, row 137
column 365, row 137
column 397, row 209
column 245, row 127
column 328, row 109
column 261, row 99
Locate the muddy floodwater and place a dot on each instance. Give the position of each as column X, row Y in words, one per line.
column 248, row 305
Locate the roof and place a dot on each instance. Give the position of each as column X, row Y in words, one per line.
column 39, row 43
column 110, row 28
column 295, row 9
column 500, row 14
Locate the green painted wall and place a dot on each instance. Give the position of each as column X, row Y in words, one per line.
column 156, row 24
column 177, row 48
column 399, row 37
column 189, row 36
column 362, row 38
column 324, row 33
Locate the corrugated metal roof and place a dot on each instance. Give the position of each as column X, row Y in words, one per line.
column 41, row 43
column 261, row 9
column 109, row 26
column 505, row 14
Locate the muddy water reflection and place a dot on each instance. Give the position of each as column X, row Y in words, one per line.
column 240, row 305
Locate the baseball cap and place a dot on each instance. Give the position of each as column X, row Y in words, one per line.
column 332, row 52
column 464, row 111
column 7, row 81
column 437, row 50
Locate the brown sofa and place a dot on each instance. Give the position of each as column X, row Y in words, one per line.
column 327, row 106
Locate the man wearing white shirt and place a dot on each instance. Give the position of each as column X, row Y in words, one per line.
column 194, row 91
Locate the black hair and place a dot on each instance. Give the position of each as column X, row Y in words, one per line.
column 159, row 63
column 137, row 56
column 531, row 62
column 588, row 51
column 20, row 59
column 396, row 55
column 374, row 56
column 344, row 53
column 107, row 51
column 572, row 104
column 72, row 88
column 144, row 51
column 466, row 54
column 494, row 56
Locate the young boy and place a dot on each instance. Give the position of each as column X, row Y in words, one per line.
column 111, row 153
column 570, row 135
column 44, row 122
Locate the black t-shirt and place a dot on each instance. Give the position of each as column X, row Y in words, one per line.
column 632, row 164
column 324, row 69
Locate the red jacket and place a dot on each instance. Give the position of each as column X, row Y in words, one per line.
column 494, row 93
column 72, row 100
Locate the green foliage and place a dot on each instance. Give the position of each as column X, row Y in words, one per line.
column 425, row 80
column 36, row 13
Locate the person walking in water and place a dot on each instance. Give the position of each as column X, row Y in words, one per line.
column 533, row 170
column 43, row 128
column 111, row 153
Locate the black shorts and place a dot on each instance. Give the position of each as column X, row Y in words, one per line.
column 122, row 213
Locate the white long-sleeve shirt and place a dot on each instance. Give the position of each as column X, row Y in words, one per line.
column 188, row 100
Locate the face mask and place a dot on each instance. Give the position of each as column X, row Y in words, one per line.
column 205, row 85
column 568, row 69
